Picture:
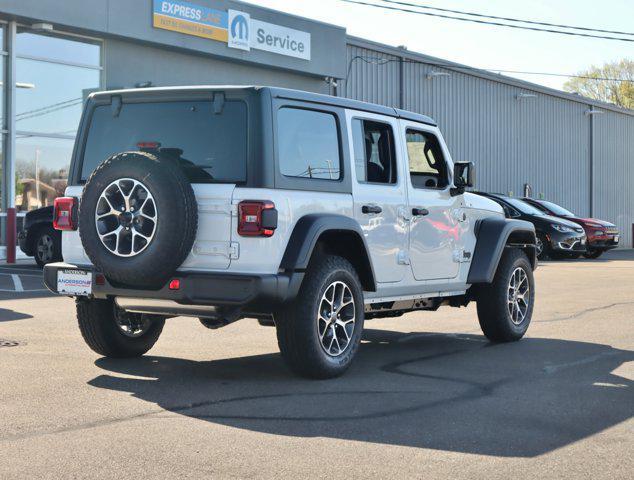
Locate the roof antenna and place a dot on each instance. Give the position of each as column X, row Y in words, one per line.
column 218, row 102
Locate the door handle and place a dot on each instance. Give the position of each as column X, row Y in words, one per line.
column 419, row 212
column 371, row 209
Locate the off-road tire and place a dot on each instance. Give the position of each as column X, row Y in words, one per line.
column 297, row 331
column 176, row 224
column 493, row 299
column 96, row 320
column 57, row 245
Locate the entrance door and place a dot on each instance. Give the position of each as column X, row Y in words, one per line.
column 380, row 204
column 436, row 228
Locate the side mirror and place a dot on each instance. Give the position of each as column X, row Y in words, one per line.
column 463, row 177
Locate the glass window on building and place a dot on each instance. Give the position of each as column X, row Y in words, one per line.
column 55, row 74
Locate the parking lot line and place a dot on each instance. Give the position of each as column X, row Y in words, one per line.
column 17, row 283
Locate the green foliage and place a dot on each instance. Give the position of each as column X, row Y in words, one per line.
column 619, row 93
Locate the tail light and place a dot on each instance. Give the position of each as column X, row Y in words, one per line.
column 65, row 213
column 256, row 218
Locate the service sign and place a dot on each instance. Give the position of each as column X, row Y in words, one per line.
column 281, row 40
column 190, row 19
column 233, row 27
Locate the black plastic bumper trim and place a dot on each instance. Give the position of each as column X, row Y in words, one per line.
column 253, row 292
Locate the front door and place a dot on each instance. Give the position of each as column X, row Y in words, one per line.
column 437, row 224
column 379, row 193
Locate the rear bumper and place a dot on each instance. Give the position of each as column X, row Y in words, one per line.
column 198, row 292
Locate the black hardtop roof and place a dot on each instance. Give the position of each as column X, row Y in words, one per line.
column 285, row 93
column 290, row 94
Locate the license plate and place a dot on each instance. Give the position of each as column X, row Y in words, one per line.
column 616, row 239
column 583, row 241
column 74, row 282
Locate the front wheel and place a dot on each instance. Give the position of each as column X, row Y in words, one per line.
column 112, row 332
column 320, row 332
column 505, row 307
column 593, row 254
column 542, row 247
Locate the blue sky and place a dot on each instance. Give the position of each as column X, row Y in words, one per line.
column 487, row 46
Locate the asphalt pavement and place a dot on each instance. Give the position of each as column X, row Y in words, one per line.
column 427, row 397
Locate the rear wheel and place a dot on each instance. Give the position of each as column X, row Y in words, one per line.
column 320, row 332
column 593, row 254
column 111, row 332
column 505, row 307
column 47, row 246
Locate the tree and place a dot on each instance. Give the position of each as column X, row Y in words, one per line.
column 620, row 93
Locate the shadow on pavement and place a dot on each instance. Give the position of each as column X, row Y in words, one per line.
column 448, row 392
column 7, row 315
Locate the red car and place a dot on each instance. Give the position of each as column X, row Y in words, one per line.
column 602, row 235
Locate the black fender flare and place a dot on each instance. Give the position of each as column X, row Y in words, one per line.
column 493, row 235
column 306, row 234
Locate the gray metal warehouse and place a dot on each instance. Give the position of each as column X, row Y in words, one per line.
column 569, row 149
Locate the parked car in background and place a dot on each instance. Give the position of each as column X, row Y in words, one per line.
column 556, row 237
column 39, row 239
column 602, row 236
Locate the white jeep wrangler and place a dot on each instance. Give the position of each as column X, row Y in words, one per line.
column 308, row 212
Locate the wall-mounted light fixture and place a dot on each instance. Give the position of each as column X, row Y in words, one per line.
column 435, row 73
column 42, row 27
column 332, row 81
column 28, row 86
column 521, row 96
column 592, row 111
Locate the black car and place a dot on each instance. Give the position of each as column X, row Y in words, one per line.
column 39, row 239
column 556, row 237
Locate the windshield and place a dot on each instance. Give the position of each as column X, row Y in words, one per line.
column 523, row 206
column 214, row 144
column 556, row 209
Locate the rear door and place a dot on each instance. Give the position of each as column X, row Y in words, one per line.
column 437, row 225
column 206, row 133
column 379, row 193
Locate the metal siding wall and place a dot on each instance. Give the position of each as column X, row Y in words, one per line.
column 614, row 171
column 371, row 82
column 543, row 141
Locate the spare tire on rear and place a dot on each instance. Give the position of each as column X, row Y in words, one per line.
column 138, row 219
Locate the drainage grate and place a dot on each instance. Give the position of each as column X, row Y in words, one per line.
column 8, row 343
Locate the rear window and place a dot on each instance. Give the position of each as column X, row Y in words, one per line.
column 212, row 147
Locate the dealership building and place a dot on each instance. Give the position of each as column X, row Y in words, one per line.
column 523, row 137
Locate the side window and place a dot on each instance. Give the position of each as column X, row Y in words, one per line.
column 427, row 166
column 308, row 143
column 512, row 212
column 374, row 153
column 509, row 212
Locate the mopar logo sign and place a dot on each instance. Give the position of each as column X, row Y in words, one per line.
column 246, row 33
column 239, row 30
